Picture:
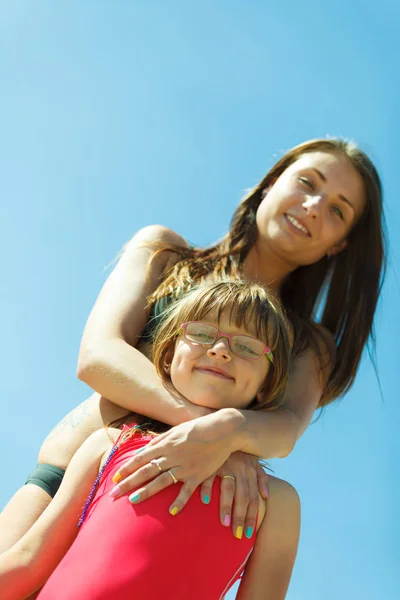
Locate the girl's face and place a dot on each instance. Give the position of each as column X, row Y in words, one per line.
column 311, row 208
column 213, row 376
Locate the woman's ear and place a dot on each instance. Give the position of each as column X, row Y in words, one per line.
column 265, row 190
column 337, row 248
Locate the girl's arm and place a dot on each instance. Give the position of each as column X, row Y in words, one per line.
column 268, row 572
column 109, row 362
column 28, row 564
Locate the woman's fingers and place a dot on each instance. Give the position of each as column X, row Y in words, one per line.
column 153, row 487
column 182, row 498
column 252, row 508
column 241, row 501
column 206, row 489
column 142, row 475
column 262, row 482
column 239, row 491
column 228, row 487
column 141, row 459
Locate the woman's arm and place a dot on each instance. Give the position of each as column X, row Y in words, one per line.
column 195, row 450
column 200, row 447
column 108, row 360
column 28, row 564
column 273, row 434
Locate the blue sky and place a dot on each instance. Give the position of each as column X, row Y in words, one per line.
column 120, row 114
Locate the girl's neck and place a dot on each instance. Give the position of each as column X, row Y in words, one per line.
column 266, row 267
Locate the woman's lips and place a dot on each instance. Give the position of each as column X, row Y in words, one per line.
column 295, row 226
column 215, row 372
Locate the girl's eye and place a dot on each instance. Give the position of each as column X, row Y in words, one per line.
column 307, row 182
column 338, row 212
column 203, row 337
column 246, row 350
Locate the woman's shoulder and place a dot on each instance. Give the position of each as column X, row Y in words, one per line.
column 163, row 244
column 157, row 234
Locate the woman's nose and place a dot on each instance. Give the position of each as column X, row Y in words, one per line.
column 221, row 350
column 312, row 205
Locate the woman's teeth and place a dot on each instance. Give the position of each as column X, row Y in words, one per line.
column 296, row 224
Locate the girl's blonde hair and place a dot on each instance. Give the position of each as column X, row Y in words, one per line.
column 249, row 305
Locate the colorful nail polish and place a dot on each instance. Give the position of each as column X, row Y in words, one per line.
column 249, row 532
column 139, row 450
column 206, row 499
column 239, row 532
column 174, row 511
column 227, row 520
column 115, row 491
column 134, row 497
column 117, row 477
column 266, row 491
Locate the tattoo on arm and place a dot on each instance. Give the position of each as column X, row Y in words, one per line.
column 72, row 420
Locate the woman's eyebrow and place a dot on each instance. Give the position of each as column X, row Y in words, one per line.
column 324, row 179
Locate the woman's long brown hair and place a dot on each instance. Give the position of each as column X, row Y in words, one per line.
column 343, row 290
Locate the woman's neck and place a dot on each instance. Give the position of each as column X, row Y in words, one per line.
column 265, row 267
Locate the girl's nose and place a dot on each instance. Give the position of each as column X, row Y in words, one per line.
column 221, row 350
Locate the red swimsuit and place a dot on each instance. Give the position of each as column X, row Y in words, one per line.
column 126, row 551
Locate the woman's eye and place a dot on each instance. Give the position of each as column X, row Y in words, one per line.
column 338, row 212
column 307, row 182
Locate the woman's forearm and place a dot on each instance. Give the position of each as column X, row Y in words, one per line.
column 125, row 376
column 266, row 434
column 274, row 433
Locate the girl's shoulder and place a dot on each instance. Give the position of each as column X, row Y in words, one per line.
column 327, row 344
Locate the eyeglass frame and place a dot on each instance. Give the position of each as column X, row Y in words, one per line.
column 223, row 334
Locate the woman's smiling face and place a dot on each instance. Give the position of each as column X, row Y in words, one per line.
column 213, row 376
column 310, row 209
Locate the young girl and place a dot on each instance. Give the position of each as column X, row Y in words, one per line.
column 311, row 230
column 223, row 345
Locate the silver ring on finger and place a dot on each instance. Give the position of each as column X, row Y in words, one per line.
column 156, row 462
column 174, row 479
column 229, row 477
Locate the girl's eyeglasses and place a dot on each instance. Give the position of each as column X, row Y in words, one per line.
column 245, row 346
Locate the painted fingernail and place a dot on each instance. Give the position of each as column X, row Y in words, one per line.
column 117, row 477
column 139, row 450
column 249, row 532
column 239, row 532
column 115, row 491
column 227, row 520
column 174, row 511
column 134, row 498
column 266, row 491
column 206, row 499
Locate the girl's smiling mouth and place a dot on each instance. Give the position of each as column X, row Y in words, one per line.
column 216, row 372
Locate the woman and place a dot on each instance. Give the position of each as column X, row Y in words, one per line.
column 312, row 231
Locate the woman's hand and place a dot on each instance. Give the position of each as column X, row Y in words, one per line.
column 194, row 452
column 243, row 480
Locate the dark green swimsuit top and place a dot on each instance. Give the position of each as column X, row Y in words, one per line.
column 155, row 317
